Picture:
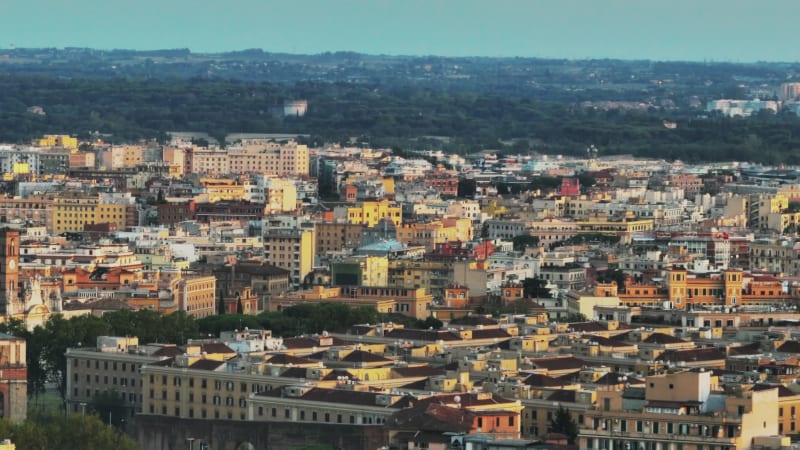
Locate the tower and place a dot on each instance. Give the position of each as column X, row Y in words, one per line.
column 9, row 268
column 677, row 287
column 733, row 285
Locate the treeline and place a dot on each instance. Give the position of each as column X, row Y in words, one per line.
column 402, row 116
column 73, row 431
column 47, row 345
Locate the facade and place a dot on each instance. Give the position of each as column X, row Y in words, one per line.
column 113, row 366
column 369, row 213
column 337, row 237
column 13, row 378
column 292, row 250
column 72, row 211
column 679, row 410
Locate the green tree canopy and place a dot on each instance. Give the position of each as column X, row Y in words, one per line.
column 71, row 432
column 563, row 423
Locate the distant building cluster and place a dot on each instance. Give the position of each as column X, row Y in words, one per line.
column 788, row 99
column 524, row 301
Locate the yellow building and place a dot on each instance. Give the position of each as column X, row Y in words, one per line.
column 609, row 227
column 681, row 407
column 176, row 159
column 494, row 210
column 361, row 271
column 72, row 211
column 58, row 140
column 280, row 195
column 220, row 189
column 369, row 213
column 410, row 302
column 428, row 234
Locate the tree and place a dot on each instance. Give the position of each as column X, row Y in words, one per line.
column 75, row 431
column 239, row 306
column 535, row 288
column 111, row 407
column 466, row 188
column 524, row 241
column 563, row 423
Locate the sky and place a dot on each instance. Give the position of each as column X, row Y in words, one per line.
column 695, row 30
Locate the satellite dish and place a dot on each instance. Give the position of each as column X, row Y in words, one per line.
column 457, row 399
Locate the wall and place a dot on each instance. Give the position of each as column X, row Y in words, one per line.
column 166, row 433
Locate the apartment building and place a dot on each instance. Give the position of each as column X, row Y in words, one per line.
column 369, row 213
column 198, row 386
column 291, row 249
column 111, row 367
column 72, row 211
column 679, row 410
column 33, row 208
column 337, row 237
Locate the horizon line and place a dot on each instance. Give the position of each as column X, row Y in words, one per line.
column 409, row 55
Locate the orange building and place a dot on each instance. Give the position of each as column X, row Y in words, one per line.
column 729, row 288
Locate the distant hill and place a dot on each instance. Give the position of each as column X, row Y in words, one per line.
column 520, row 104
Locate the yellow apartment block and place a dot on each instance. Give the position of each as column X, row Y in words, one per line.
column 429, row 234
column 71, row 212
column 219, row 189
column 58, row 140
column 370, row 213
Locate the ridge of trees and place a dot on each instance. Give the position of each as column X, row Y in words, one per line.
column 397, row 116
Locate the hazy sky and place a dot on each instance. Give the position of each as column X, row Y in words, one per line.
column 723, row 30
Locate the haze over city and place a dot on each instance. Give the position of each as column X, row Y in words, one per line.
column 719, row 30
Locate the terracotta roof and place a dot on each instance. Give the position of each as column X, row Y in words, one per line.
column 467, row 399
column 747, row 349
column 418, row 371
column 294, row 372
column 432, row 417
column 216, row 347
column 789, row 347
column 360, row 356
column 334, row 374
column 616, row 378
column 539, row 380
column 559, row 363
column 695, row 354
column 661, row 338
column 422, row 335
column 489, row 333
column 206, row 364
column 168, row 350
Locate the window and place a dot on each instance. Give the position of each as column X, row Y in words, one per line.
column 314, row 416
